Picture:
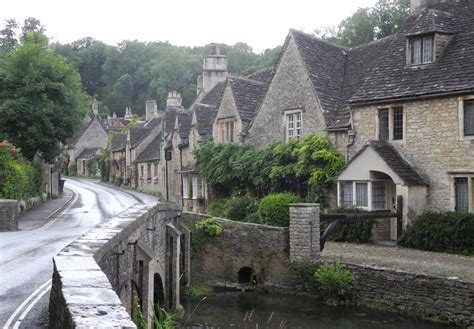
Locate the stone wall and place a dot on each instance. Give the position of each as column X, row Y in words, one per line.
column 432, row 142
column 8, row 215
column 290, row 89
column 94, row 276
column 414, row 294
column 304, row 232
column 263, row 248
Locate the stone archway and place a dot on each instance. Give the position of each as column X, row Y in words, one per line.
column 158, row 293
column 245, row 275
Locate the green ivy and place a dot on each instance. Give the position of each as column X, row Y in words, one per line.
column 210, row 226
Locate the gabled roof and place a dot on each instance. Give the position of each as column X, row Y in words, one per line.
column 432, row 20
column 247, row 95
column 325, row 64
column 214, row 96
column 393, row 160
column 89, row 153
column 119, row 141
column 137, row 135
column 183, row 120
column 262, row 75
column 152, row 152
column 204, row 115
column 71, row 142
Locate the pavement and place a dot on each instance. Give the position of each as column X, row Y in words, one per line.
column 45, row 212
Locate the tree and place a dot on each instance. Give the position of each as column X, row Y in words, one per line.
column 41, row 100
column 33, row 29
column 368, row 24
column 8, row 39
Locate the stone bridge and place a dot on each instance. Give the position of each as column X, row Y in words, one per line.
column 140, row 255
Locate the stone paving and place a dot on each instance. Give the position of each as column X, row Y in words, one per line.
column 402, row 259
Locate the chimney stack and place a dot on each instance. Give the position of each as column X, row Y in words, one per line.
column 174, row 99
column 214, row 69
column 151, row 110
column 128, row 113
column 95, row 107
column 418, row 5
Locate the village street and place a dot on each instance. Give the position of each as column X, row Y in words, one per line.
column 26, row 256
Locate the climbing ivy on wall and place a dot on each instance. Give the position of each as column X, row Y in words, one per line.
column 233, row 168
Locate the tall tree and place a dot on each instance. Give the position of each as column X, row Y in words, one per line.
column 367, row 24
column 41, row 99
column 8, row 39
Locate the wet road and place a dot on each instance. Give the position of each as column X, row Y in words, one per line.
column 26, row 256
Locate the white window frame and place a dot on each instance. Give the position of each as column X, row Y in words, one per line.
column 293, row 131
column 226, row 130
column 391, row 109
column 185, row 187
column 411, row 48
column 369, row 194
column 461, row 101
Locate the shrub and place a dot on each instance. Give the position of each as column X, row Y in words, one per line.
column 273, row 209
column 209, row 226
column 334, row 280
column 356, row 231
column 441, row 231
column 241, row 208
column 217, row 208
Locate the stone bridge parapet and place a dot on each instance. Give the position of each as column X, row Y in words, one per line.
column 133, row 256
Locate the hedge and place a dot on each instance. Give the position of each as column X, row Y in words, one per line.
column 273, row 209
column 442, row 232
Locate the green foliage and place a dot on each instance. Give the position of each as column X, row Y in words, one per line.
column 194, row 290
column 367, row 24
column 305, row 272
column 160, row 319
column 210, row 226
column 72, row 168
column 273, row 209
column 442, row 232
column 240, row 208
column 334, row 280
column 19, row 179
column 41, row 98
column 356, row 231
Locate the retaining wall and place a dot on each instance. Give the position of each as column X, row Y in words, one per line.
column 92, row 278
column 8, row 215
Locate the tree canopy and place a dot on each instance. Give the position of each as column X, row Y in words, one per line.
column 367, row 24
column 41, row 97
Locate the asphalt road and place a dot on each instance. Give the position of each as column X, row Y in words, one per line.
column 26, row 256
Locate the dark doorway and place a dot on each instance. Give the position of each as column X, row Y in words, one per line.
column 158, row 293
column 245, row 274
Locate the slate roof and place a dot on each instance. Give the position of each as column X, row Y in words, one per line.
column 137, row 135
column 377, row 71
column 89, row 152
column 169, row 120
column 214, row 96
column 184, row 124
column 119, row 141
column 204, row 117
column 262, row 75
column 152, row 152
column 395, row 161
column 247, row 95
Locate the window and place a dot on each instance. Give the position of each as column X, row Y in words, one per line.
column 226, row 131
column 390, row 123
column 198, row 187
column 383, row 124
column 293, row 124
column 185, row 187
column 461, row 194
column 148, row 171
column 421, row 50
column 370, row 195
column 361, row 195
column 468, row 117
column 378, row 195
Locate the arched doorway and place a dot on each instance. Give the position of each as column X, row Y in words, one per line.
column 158, row 293
column 245, row 274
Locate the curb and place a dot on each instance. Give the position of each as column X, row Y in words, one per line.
column 54, row 213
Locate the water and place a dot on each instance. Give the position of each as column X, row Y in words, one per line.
column 251, row 310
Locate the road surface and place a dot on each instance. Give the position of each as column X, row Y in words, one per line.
column 26, row 256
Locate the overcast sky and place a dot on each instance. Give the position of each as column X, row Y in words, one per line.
column 259, row 23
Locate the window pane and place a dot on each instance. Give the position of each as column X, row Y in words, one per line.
column 397, row 123
column 383, row 124
column 378, row 195
column 361, row 195
column 469, row 118
column 298, row 125
column 461, row 194
column 232, row 131
column 416, row 52
column 428, row 50
column 346, row 194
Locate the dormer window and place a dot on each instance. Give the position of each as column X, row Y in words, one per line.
column 421, row 50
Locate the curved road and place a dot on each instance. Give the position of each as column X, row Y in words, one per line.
column 26, row 256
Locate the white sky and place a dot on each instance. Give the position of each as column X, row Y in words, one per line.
column 260, row 23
